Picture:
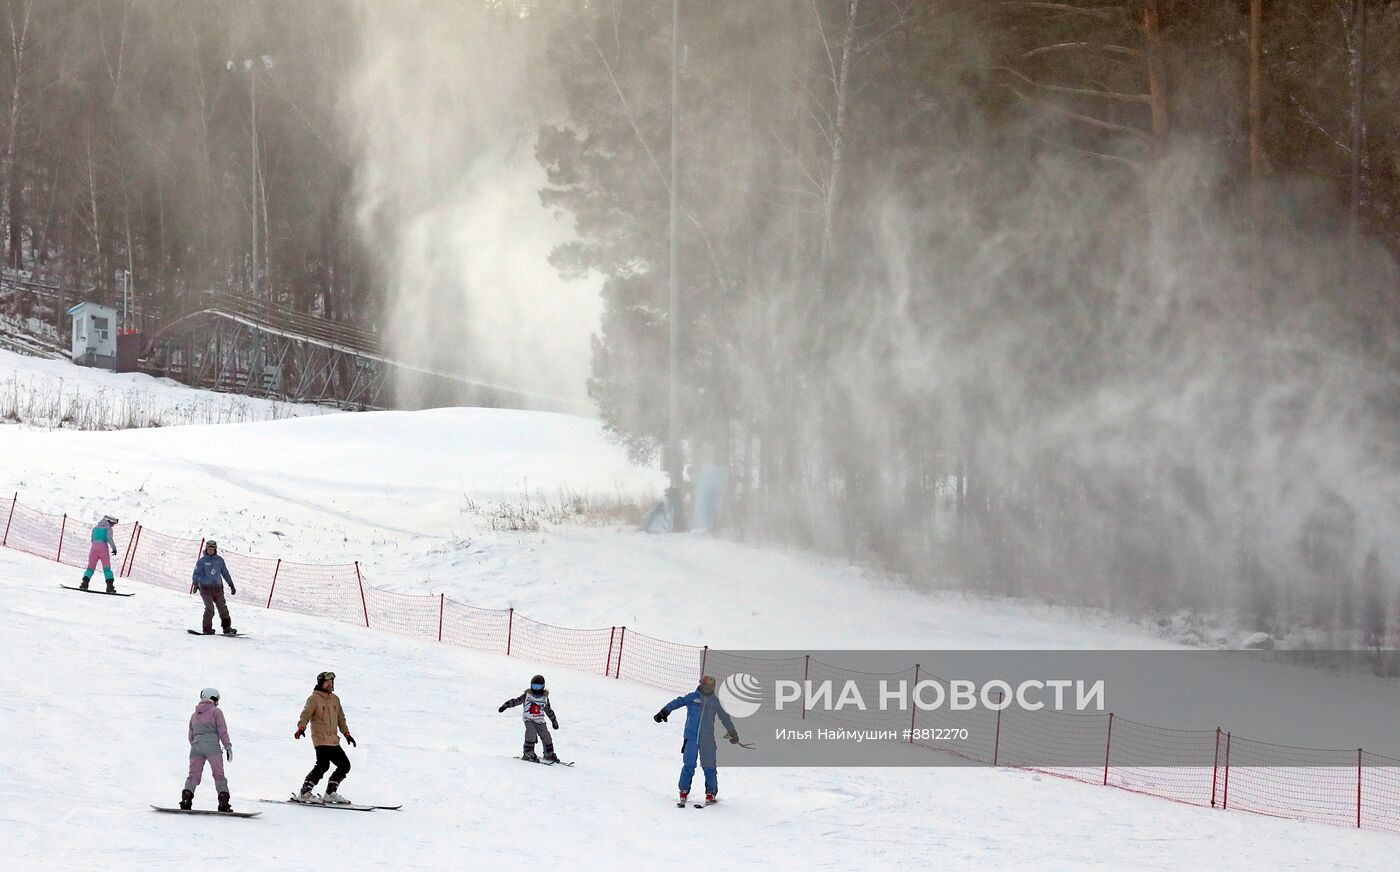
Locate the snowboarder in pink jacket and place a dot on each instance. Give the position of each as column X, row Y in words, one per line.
column 208, row 731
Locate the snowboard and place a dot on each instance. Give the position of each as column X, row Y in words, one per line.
column 241, row 814
column 91, row 590
column 546, row 762
column 202, row 633
column 348, row 806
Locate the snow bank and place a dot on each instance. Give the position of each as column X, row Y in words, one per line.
column 54, row 394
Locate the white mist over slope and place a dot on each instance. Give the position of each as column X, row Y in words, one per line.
column 447, row 104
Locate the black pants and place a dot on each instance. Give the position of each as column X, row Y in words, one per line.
column 214, row 599
column 325, row 756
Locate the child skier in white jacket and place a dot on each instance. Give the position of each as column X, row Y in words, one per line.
column 536, row 708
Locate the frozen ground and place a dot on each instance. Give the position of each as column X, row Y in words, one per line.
column 92, row 730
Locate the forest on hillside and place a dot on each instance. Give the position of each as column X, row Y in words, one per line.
column 1092, row 300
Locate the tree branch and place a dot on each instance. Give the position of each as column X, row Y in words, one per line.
column 1135, row 164
column 1073, row 46
column 821, row 29
column 1086, row 119
column 1106, row 13
column 1076, row 92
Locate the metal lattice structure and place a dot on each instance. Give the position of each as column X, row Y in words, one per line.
column 242, row 345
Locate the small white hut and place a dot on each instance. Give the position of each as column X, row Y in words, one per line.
column 94, row 335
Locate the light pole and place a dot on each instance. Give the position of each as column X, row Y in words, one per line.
column 674, row 464
column 252, row 66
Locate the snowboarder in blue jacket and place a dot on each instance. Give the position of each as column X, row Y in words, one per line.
column 209, row 576
column 701, row 707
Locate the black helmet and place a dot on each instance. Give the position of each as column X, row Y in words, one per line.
column 537, row 683
column 323, row 677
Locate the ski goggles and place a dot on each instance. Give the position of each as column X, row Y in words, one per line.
column 325, row 676
column 537, row 686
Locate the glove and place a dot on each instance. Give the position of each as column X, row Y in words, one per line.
column 301, row 731
column 502, row 708
column 661, row 715
column 228, row 752
column 555, row 724
column 233, row 591
column 733, row 738
column 114, row 552
column 351, row 739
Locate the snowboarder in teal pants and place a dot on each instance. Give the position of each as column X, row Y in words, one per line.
column 102, row 551
column 701, row 708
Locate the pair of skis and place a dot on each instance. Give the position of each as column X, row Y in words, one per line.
column 252, row 814
column 318, row 803
column 684, row 802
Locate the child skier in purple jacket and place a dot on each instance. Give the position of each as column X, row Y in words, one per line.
column 208, row 731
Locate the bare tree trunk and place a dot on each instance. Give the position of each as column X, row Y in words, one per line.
column 1256, row 113
column 94, row 214
column 840, row 82
column 19, row 41
column 1357, row 50
column 41, row 249
column 266, row 283
column 1156, row 78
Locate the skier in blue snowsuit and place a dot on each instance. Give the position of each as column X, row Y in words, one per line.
column 701, row 707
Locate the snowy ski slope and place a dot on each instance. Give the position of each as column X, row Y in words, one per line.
column 94, row 703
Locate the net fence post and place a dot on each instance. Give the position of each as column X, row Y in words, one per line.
column 131, row 555
column 704, row 657
column 276, row 570
column 622, row 637
column 1225, row 797
column 1215, row 768
column 914, row 709
column 996, row 742
column 442, row 606
column 607, row 664
column 510, row 628
column 13, row 500
column 1107, row 746
column 361, row 581
column 806, row 667
column 126, row 558
column 1358, row 788
column 61, row 531
column 196, row 557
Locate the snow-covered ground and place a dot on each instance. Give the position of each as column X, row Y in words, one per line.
column 53, row 394
column 426, row 500
column 92, row 731
column 92, row 726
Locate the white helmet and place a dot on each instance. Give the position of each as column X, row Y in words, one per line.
column 209, row 693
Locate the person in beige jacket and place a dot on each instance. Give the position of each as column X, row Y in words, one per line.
column 327, row 719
